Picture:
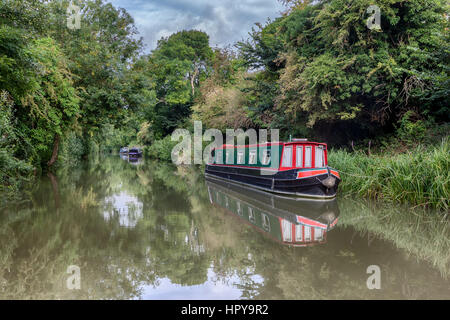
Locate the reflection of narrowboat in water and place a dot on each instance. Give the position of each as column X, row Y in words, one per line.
column 292, row 221
column 135, row 161
column 132, row 160
column 298, row 168
column 131, row 152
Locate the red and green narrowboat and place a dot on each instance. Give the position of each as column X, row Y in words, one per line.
column 296, row 168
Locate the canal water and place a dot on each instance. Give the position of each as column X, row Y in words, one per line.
column 120, row 229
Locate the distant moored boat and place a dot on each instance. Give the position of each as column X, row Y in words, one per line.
column 135, row 152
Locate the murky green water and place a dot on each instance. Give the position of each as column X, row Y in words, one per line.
column 151, row 231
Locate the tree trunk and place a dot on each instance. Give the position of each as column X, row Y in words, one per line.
column 193, row 79
column 55, row 151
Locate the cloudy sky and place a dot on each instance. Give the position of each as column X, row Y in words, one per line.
column 226, row 21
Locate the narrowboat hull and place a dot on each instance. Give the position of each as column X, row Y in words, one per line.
column 320, row 183
column 135, row 155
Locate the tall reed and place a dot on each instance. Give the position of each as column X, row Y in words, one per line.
column 419, row 177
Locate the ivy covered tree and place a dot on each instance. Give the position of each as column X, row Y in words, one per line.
column 34, row 75
column 100, row 53
column 322, row 67
column 52, row 101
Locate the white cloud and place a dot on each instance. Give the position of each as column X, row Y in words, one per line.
column 225, row 21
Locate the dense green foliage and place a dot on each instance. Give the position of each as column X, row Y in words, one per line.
column 316, row 71
column 14, row 172
column 64, row 84
column 177, row 66
column 323, row 68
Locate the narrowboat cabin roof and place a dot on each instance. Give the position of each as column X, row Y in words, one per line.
column 292, row 154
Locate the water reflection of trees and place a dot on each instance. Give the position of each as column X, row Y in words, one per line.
column 179, row 236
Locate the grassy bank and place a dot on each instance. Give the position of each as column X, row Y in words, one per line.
column 419, row 177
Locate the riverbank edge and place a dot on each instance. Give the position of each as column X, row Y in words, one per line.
column 418, row 177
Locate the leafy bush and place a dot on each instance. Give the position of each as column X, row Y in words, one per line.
column 161, row 149
column 72, row 150
column 411, row 129
column 14, row 173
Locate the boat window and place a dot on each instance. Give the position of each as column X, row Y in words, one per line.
column 287, row 157
column 286, row 227
column 308, row 157
column 299, row 161
column 239, row 209
column 318, row 234
column 219, row 157
column 251, row 215
column 298, row 232
column 229, row 156
column 266, row 157
column 319, row 157
column 240, row 157
column 252, row 158
column 307, row 233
